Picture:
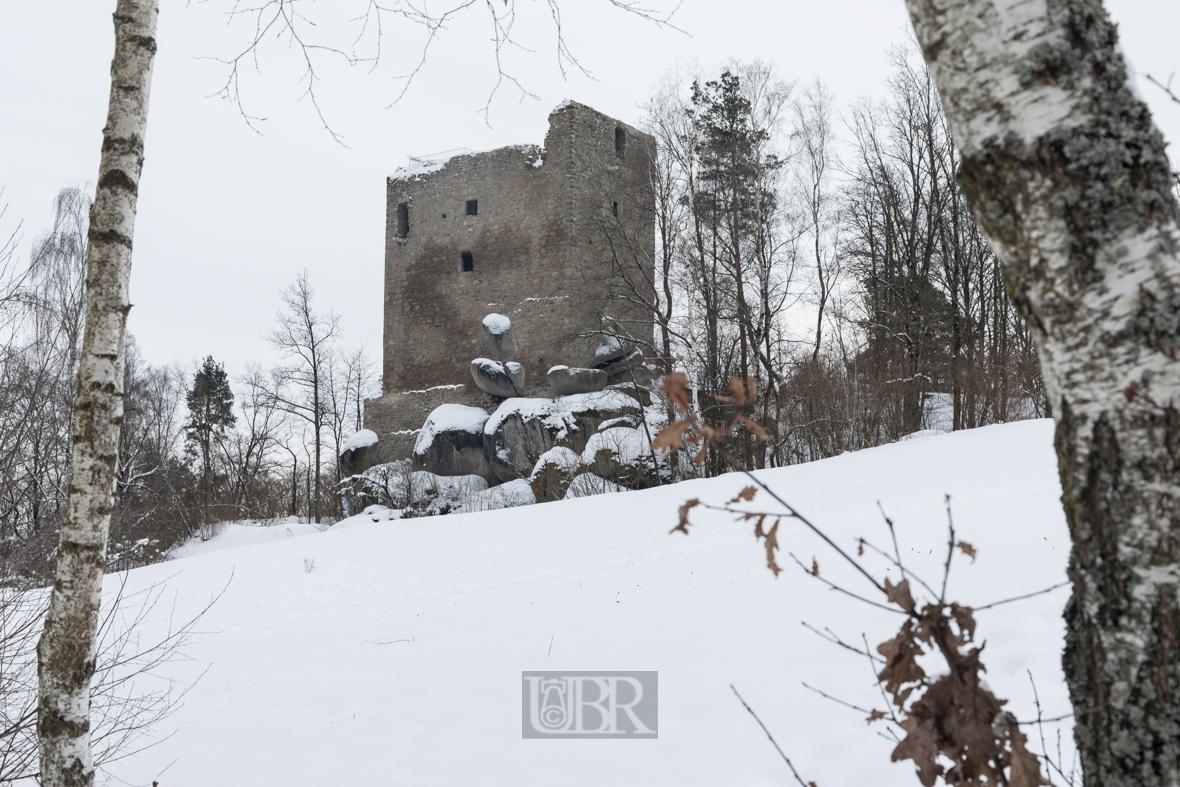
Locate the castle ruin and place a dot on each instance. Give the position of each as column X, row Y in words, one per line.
column 527, row 231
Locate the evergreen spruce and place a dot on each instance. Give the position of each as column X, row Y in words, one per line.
column 211, row 411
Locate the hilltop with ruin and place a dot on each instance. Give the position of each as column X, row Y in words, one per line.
column 511, row 254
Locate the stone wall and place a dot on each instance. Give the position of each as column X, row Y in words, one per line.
column 547, row 223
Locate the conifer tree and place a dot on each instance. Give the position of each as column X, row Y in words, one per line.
column 211, row 411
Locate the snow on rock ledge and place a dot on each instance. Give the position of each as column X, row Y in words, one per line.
column 362, row 439
column 357, row 453
column 497, row 323
column 450, row 418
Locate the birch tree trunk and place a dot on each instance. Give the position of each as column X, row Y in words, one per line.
column 1068, row 179
column 66, row 651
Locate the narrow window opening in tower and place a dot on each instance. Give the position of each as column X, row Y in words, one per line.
column 620, row 142
column 614, row 209
column 467, row 262
column 472, row 207
column 403, row 219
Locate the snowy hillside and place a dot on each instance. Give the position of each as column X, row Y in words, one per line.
column 397, row 659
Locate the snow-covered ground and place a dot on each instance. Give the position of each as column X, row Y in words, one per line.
column 397, row 658
column 238, row 534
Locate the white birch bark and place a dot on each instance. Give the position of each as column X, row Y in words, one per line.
column 1068, row 179
column 66, row 651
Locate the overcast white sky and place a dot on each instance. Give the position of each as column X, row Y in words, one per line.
column 227, row 217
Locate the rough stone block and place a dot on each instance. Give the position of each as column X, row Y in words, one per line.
column 565, row 380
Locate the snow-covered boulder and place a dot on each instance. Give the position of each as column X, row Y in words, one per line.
column 509, row 495
column 624, row 444
column 358, row 452
column 553, row 473
column 588, row 484
column 590, row 410
column 498, row 329
column 504, row 380
column 630, row 421
column 624, row 366
column 612, row 345
column 451, row 442
column 520, row 431
column 565, row 380
column 434, row 495
column 623, row 455
column 639, row 392
column 371, row 514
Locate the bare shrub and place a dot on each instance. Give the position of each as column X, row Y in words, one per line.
column 129, row 698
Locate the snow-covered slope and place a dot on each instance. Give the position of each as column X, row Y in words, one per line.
column 396, row 660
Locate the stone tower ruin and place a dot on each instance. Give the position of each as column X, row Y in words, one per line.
column 531, row 232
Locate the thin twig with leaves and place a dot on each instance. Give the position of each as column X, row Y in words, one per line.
column 949, row 717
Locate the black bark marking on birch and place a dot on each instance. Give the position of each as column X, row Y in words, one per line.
column 1134, row 739
column 124, row 146
column 53, row 724
column 109, row 236
column 144, row 42
column 1172, row 437
column 1144, row 734
column 119, row 180
column 83, row 551
column 1102, row 508
column 1158, row 321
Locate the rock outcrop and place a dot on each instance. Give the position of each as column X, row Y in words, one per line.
column 451, row 443
column 358, row 454
column 504, row 380
column 623, row 456
column 553, row 473
column 521, row 430
column 565, row 380
column 498, row 329
column 591, row 410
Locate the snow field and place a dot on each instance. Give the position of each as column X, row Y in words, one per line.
column 396, row 660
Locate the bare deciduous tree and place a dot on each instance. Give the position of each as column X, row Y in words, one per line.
column 816, row 138
column 301, row 389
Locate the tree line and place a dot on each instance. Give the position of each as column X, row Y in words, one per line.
column 196, row 448
column 828, row 254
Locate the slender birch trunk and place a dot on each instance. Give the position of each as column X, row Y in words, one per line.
column 1068, row 179
column 66, row 651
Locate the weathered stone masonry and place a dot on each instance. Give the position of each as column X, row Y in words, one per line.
column 522, row 231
